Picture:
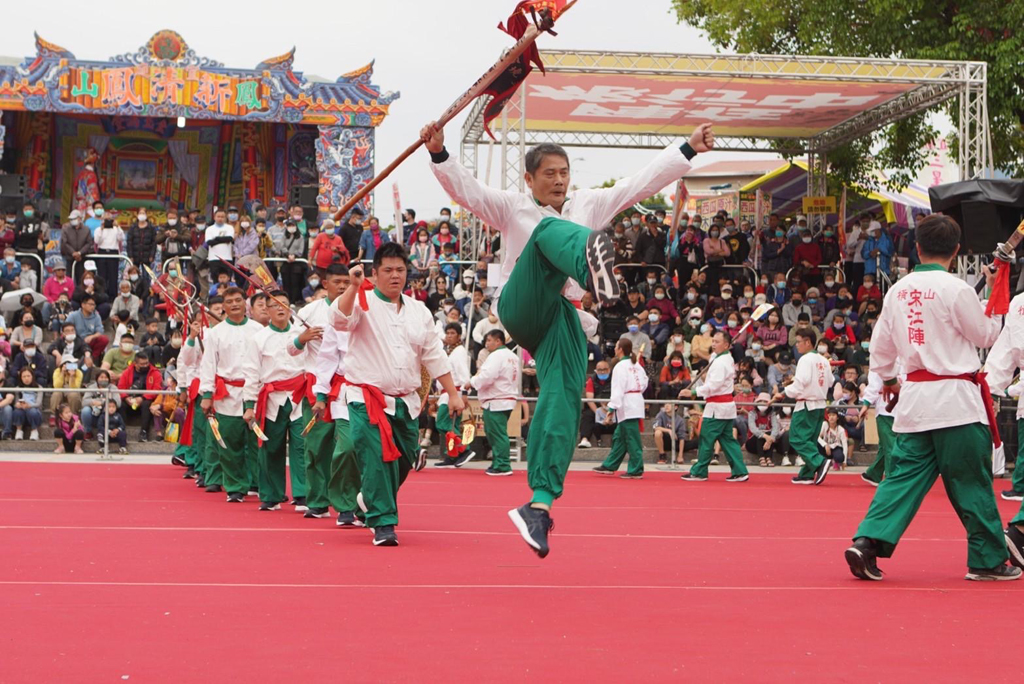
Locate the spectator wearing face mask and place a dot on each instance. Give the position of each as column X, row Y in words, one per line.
column 445, row 236
column 766, row 434
column 31, row 358
column 778, row 292
column 664, row 305
column 877, row 250
column 816, row 304
column 737, row 339
column 67, row 375
column 773, row 333
column 780, row 372
column 700, row 347
column 422, row 251
column 293, row 272
column 140, row 375
column 775, row 253
column 312, row 287
column 725, row 301
column 861, row 354
column 328, row 249
column 94, row 286
column 691, row 326
column 803, row 326
column 793, row 308
column 692, row 297
column 674, row 376
column 594, row 418
column 67, row 344
column 10, row 269
column 117, row 359
column 657, row 329
column 807, row 257
column 839, row 328
column 642, row 343
column 93, row 402
column 140, row 240
column 174, row 238
column 717, row 320
column 76, row 240
column 716, row 251
column 26, row 331
column 372, row 238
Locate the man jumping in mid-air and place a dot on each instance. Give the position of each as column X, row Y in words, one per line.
column 552, row 245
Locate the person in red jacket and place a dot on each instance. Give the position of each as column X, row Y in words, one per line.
column 807, row 256
column 840, row 328
column 328, row 248
column 869, row 290
column 140, row 375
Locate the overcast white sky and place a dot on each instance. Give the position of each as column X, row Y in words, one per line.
column 430, row 51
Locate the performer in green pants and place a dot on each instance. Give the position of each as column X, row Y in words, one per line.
column 883, row 424
column 546, row 242
column 629, row 380
column 343, row 487
column 809, row 388
column 497, row 386
column 719, row 415
column 933, row 322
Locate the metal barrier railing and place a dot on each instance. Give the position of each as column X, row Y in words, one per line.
column 42, row 272
column 85, row 257
column 743, row 267
column 840, row 275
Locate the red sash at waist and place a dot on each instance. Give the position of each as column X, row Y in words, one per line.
column 720, row 399
column 220, row 387
column 979, row 379
column 293, row 385
column 186, row 430
column 332, row 396
column 374, row 401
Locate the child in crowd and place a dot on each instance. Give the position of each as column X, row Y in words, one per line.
column 165, row 407
column 832, row 440
column 29, row 278
column 68, row 431
column 116, row 427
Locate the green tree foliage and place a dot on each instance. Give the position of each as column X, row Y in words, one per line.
column 989, row 31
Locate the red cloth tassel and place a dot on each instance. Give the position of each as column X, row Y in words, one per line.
column 999, row 300
column 186, row 430
column 367, row 285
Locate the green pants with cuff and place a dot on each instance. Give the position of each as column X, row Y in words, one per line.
column 496, row 430
column 962, row 455
column 803, row 438
column 345, row 479
column 284, row 443
column 880, row 466
column 547, row 325
column 318, row 451
column 718, row 430
column 382, row 479
column 626, row 438
column 231, row 464
column 1018, row 471
column 252, row 459
column 200, row 437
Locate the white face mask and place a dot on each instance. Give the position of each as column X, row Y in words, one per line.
column 127, row 347
column 659, row 295
column 829, row 283
column 141, row 217
column 756, row 346
column 691, row 296
column 88, row 281
column 806, row 240
column 787, row 410
column 635, row 222
column 70, row 337
column 726, row 294
column 245, row 224
column 762, row 409
column 172, row 222
column 653, row 318
column 823, row 350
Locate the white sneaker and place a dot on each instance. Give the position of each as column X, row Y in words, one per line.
column 800, row 461
column 34, row 435
column 425, row 443
column 19, row 434
column 584, row 443
column 787, row 461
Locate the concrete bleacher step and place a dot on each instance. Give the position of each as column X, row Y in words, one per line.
column 47, row 442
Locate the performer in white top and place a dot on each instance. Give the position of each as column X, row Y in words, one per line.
column 192, row 439
column 229, row 382
column 883, row 423
column 933, row 322
column 454, row 453
column 629, row 380
column 552, row 243
column 497, row 386
column 810, row 386
column 279, row 405
column 219, row 239
column 390, row 337
column 1004, row 359
column 719, row 414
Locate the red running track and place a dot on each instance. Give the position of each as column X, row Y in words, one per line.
column 128, row 572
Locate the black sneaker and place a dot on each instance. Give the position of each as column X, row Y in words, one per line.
column 177, row 460
column 601, row 470
column 190, row 474
column 268, row 506
column 446, row 462
column 213, row 489
column 1011, row 495
column 349, row 519
column 869, row 480
column 200, row 482
column 803, row 480
column 1015, row 545
column 737, row 478
column 465, row 458
column 533, row 524
column 822, row 471
column 627, row 476
column 300, row 504
column 385, row 536
column 421, row 460
column 690, row 477
column 144, row 436
column 314, row 512
column 497, row 473
column 237, row 497
column 601, row 261
column 861, row 559
column 1000, row 573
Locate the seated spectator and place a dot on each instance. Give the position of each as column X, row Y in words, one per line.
column 766, row 434
column 861, row 354
column 691, row 326
column 773, row 334
column 791, row 310
column 452, row 316
column 25, row 330
column 122, row 324
column 829, row 289
column 658, row 330
column 92, row 286
column 832, row 440
column 676, row 343
column 594, row 420
column 700, row 348
column 666, row 425
column 755, row 351
column 117, row 430
column 724, row 301
column 119, row 358
column 738, row 340
column 416, row 290
column 223, row 283
column 825, row 349
column 817, row 306
column 652, row 278
column 850, row 374
column 312, row 287
column 166, row 409
column 852, row 413
column 717, row 320
column 839, row 328
column 153, row 343
column 126, row 301
column 664, row 305
column 869, row 290
column 56, row 285
column 10, row 269
column 803, row 324
column 31, row 359
column 58, row 312
column 68, row 431
column 841, row 350
column 67, row 375
column 693, row 297
column 747, row 300
column 68, row 344
column 674, row 378
column 807, row 257
column 169, row 355
column 26, row 400
column 745, row 397
column 780, row 372
column 140, row 375
column 476, row 309
column 94, row 401
column 641, row 342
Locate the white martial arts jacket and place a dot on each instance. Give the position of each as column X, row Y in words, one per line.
column 629, row 380
column 459, row 360
column 719, row 382
column 315, row 314
column 1007, row 355
column 232, row 354
column 330, row 360
column 187, row 367
column 497, row 380
column 386, row 347
column 931, row 320
column 811, row 382
column 278, row 363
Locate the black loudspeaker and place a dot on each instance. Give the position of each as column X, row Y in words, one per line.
column 12, row 185
column 304, row 195
column 988, row 211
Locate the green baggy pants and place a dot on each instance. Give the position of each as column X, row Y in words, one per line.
column 1018, row 471
column 381, row 479
column 345, row 480
column 496, row 429
column 252, row 459
column 718, row 430
column 284, row 442
column 230, row 463
column 200, row 439
column 546, row 324
column 803, row 437
column 881, row 466
column 626, row 438
column 963, row 456
column 318, row 448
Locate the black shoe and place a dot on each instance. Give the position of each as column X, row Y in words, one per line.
column 237, row 497
column 421, row 460
column 690, row 477
column 177, row 460
column 200, row 482
column 803, row 480
column 999, row 573
column 349, row 519
column 628, row 476
column 385, row 536
column 190, row 474
column 861, row 559
column 1015, row 545
column 822, row 471
column 601, row 470
column 446, row 462
column 1011, row 495
column 313, row 512
column 213, row 489
column 144, row 437
column 300, row 504
column 869, row 480
column 601, row 262
column 737, row 478
column 497, row 473
column 465, row 458
column 267, row 506
column 533, row 524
